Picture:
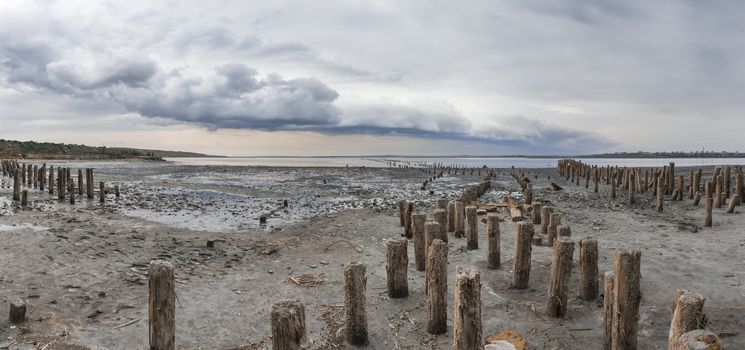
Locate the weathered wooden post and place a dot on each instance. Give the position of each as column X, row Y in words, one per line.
column 739, row 188
column 699, row 340
column 473, row 228
column 732, row 203
column 459, row 222
column 51, row 179
column 17, row 312
column 72, row 193
column 561, row 271
column 613, row 188
column 451, row 217
column 563, row 231
column 536, row 213
column 467, row 334
column 719, row 195
column 402, row 212
column 493, row 259
column 608, row 310
column 355, row 284
column 162, row 305
column 102, row 192
column 24, row 198
column 80, row 182
column 420, row 250
column 588, row 268
column 288, row 325
column 632, row 192
column 708, row 205
column 89, row 183
column 688, row 315
column 437, row 287
column 17, row 185
column 546, row 219
column 626, row 299
column 727, row 176
column 442, row 204
column 660, row 194
column 523, row 250
column 440, row 216
column 397, row 267
column 553, row 228
column 117, row 194
column 696, row 198
column 407, row 220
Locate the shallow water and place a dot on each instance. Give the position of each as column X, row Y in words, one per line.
column 490, row 162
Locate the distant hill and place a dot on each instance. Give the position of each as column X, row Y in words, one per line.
column 48, row 150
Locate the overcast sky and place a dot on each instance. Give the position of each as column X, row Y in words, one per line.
column 375, row 77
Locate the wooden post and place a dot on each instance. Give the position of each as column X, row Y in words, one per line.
column 459, row 223
column 117, row 194
column 626, row 299
column 563, row 231
column 24, row 198
column 696, row 198
column 739, row 187
column 699, row 340
column 708, row 205
column 561, row 271
column 80, row 182
column 51, row 180
column 102, row 192
column 407, row 220
column 402, row 212
column 688, row 315
column 288, row 325
column 397, row 267
column 632, row 192
column 719, row 194
column 545, row 218
column 437, row 286
column 727, row 176
column 613, row 188
column 608, row 310
column 588, row 268
column 355, row 284
column 17, row 185
column 473, row 228
column 660, row 194
column 521, row 261
column 442, row 204
column 89, row 183
column 537, row 213
column 493, row 259
column 553, row 228
column 467, row 320
column 17, row 311
column 420, row 250
column 451, row 217
column 732, row 203
column 162, row 305
column 440, row 216
column 72, row 192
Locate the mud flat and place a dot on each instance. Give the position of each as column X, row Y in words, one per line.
column 82, row 269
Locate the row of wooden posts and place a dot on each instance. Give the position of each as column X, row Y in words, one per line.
column 662, row 182
column 622, row 285
column 32, row 176
column 621, row 301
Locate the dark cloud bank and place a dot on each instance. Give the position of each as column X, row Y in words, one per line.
column 236, row 96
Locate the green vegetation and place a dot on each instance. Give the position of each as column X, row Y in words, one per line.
column 48, row 150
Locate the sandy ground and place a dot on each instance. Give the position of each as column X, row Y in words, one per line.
column 83, row 269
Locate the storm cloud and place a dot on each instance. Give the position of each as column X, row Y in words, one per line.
column 564, row 76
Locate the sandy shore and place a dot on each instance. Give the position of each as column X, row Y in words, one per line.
column 83, row 269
